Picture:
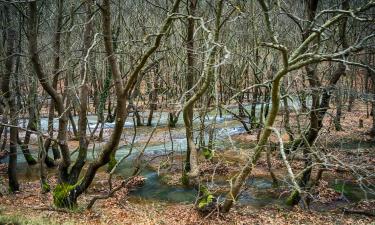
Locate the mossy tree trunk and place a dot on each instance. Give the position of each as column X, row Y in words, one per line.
column 68, row 189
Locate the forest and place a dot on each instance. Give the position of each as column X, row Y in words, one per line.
column 187, row 112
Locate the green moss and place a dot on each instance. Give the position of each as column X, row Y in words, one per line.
column 207, row 153
column 342, row 188
column 30, row 159
column 350, row 191
column 293, row 199
column 62, row 196
column 206, row 197
column 112, row 162
column 46, row 187
column 185, row 179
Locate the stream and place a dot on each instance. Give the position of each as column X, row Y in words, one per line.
column 258, row 191
column 154, row 188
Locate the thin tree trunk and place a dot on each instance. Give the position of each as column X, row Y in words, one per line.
column 337, row 119
column 63, row 120
column 55, row 72
column 190, row 77
column 11, row 37
column 247, row 169
column 208, row 77
column 318, row 110
column 371, row 74
column 83, row 97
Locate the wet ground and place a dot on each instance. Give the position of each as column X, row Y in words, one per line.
column 258, row 192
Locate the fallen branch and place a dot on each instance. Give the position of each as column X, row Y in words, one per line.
column 46, row 208
column 25, row 129
column 129, row 183
column 359, row 212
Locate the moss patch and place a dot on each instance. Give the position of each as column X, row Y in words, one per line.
column 30, row 159
column 46, row 187
column 112, row 162
column 206, row 197
column 62, row 196
column 293, row 199
column 208, row 153
column 185, row 179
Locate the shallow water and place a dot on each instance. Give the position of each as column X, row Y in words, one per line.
column 154, row 188
column 92, row 119
column 258, row 192
column 352, row 191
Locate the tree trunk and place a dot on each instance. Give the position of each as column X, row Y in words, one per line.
column 11, row 37
column 83, row 97
column 153, row 95
column 190, row 77
column 57, row 98
column 337, row 119
column 232, row 195
column 55, row 72
column 65, row 194
column 371, row 74
column 318, row 110
column 208, row 77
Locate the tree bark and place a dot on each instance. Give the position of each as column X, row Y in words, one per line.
column 11, row 37
column 318, row 110
column 371, row 74
column 55, row 72
column 57, row 98
column 83, row 97
column 122, row 93
column 190, row 76
column 208, row 77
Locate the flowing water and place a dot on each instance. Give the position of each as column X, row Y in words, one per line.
column 154, row 188
column 258, row 193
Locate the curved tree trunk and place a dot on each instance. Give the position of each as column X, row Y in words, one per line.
column 55, row 72
column 318, row 110
column 246, row 170
column 65, row 194
column 57, row 98
column 83, row 96
column 207, row 79
column 190, row 75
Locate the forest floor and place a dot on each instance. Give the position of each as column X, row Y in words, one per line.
column 29, row 206
column 32, row 207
